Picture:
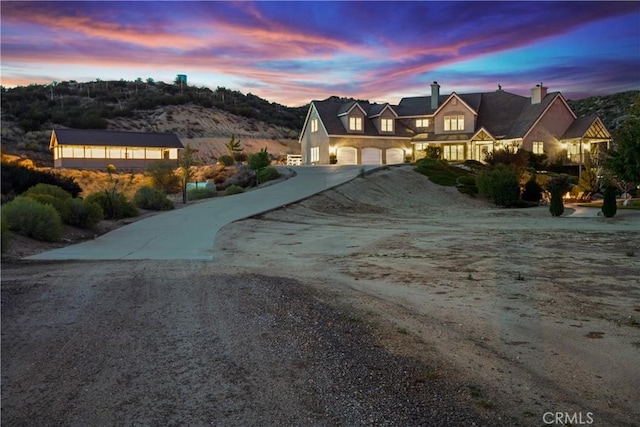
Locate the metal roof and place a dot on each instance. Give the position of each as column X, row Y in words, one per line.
column 116, row 138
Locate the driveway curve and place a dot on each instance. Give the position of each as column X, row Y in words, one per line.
column 189, row 233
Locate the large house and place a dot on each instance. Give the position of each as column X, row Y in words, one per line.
column 463, row 126
column 95, row 149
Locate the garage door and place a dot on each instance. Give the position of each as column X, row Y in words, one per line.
column 371, row 156
column 346, row 156
column 395, row 156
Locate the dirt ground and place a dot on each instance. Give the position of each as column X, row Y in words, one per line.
column 386, row 301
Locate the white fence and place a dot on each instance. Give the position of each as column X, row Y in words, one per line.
column 294, row 159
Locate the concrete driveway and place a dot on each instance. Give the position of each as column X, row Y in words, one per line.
column 189, row 233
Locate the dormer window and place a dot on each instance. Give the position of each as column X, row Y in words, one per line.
column 355, row 123
column 314, row 125
column 455, row 122
column 422, row 123
column 386, row 125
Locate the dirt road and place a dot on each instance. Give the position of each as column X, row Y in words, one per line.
column 387, row 301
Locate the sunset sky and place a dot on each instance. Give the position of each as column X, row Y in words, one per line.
column 293, row 52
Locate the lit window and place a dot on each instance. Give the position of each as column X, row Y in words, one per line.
column 315, row 154
column 314, row 125
column 387, row 125
column 355, row 123
column 422, row 123
column 453, row 152
column 538, row 147
column 453, row 122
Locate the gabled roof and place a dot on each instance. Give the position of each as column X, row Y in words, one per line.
column 581, row 126
column 116, row 138
column 529, row 115
column 421, row 105
column 377, row 110
column 499, row 110
column 330, row 111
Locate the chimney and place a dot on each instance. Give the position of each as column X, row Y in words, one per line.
column 435, row 95
column 538, row 93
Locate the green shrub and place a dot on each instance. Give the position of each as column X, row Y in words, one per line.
column 114, row 205
column 152, row 199
column 49, row 190
column 259, row 160
column 234, row 189
column 226, row 160
column 200, row 193
column 84, row 214
column 59, row 205
column 433, row 152
column 439, row 171
column 31, row 218
column 556, row 206
column 467, row 180
column 163, row 177
column 532, row 190
column 267, row 174
column 609, row 207
column 17, row 179
column 500, row 184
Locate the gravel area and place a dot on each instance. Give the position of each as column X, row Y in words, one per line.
column 182, row 343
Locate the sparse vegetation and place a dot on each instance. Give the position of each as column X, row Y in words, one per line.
column 267, row 174
column 163, row 177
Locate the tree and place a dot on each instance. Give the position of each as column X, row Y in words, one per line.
column 259, row 160
column 557, row 187
column 233, row 147
column 187, row 161
column 532, row 190
column 589, row 178
column 624, row 159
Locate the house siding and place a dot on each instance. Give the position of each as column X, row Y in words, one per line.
column 311, row 139
column 551, row 126
column 449, row 109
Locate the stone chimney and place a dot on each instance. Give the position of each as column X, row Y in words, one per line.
column 538, row 93
column 435, row 95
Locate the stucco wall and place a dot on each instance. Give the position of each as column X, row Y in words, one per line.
column 549, row 129
column 449, row 109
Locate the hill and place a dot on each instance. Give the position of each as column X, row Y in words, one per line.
column 612, row 109
column 199, row 116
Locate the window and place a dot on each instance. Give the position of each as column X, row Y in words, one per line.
column 314, row 125
column 420, row 146
column 355, row 123
column 538, row 147
column 315, row 154
column 454, row 122
column 386, row 125
column 422, row 123
column 453, row 152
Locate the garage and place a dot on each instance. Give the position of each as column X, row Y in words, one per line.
column 347, row 156
column 371, row 156
column 395, row 156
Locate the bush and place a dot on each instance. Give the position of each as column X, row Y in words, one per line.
column 17, row 179
column 609, row 207
column 49, row 190
column 240, row 157
column 33, row 219
column 267, row 174
column 532, row 190
column 200, row 193
column 226, row 160
column 152, row 199
column 59, row 205
column 234, row 189
column 84, row 214
column 500, row 184
column 467, row 180
column 163, row 177
column 114, row 205
column 556, row 207
column 433, row 152
column 259, row 160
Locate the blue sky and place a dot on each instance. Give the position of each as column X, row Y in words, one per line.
column 293, row 52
